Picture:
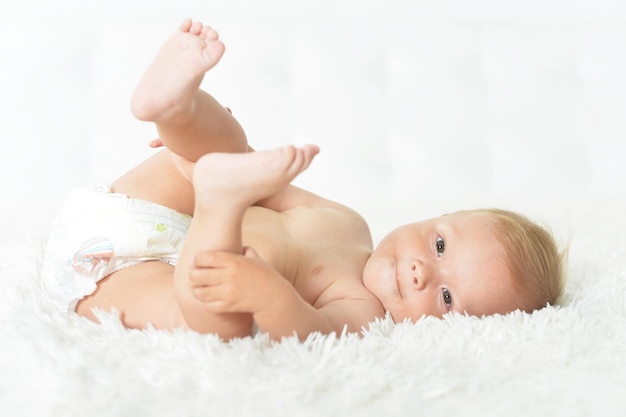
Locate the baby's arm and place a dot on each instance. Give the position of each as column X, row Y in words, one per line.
column 229, row 283
column 294, row 315
column 292, row 196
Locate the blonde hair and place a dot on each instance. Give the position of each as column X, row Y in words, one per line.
column 534, row 259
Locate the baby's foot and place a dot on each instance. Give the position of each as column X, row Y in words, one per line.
column 240, row 180
column 169, row 86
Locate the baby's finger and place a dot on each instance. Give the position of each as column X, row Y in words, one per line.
column 212, row 259
column 205, row 277
column 217, row 307
column 215, row 299
column 206, row 294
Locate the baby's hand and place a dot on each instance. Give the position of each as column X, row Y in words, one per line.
column 231, row 283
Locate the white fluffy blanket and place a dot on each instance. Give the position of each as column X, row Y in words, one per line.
column 561, row 361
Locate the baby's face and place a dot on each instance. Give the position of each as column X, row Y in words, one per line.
column 450, row 263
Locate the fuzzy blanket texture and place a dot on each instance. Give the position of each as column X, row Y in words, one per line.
column 567, row 360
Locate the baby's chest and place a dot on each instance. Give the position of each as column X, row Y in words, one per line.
column 312, row 256
column 324, row 271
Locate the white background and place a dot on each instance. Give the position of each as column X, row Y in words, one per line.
column 418, row 106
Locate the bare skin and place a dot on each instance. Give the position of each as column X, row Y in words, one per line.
column 168, row 95
column 304, row 273
column 260, row 250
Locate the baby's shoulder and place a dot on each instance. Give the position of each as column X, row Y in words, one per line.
column 329, row 222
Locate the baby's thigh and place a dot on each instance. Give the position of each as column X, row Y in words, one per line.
column 142, row 294
column 162, row 179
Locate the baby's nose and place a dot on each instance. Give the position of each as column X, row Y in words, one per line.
column 419, row 274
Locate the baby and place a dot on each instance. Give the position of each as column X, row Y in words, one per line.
column 211, row 236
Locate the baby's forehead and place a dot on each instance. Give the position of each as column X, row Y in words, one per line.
column 472, row 238
column 478, row 221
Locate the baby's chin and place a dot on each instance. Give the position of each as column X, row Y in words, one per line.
column 397, row 313
column 400, row 317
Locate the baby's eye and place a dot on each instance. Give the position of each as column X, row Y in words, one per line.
column 447, row 297
column 441, row 246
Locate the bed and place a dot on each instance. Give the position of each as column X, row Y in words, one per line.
column 419, row 109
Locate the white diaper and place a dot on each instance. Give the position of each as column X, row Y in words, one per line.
column 99, row 232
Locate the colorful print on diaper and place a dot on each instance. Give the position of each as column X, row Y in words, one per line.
column 95, row 253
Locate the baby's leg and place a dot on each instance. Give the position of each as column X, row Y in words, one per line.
column 189, row 121
column 225, row 185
